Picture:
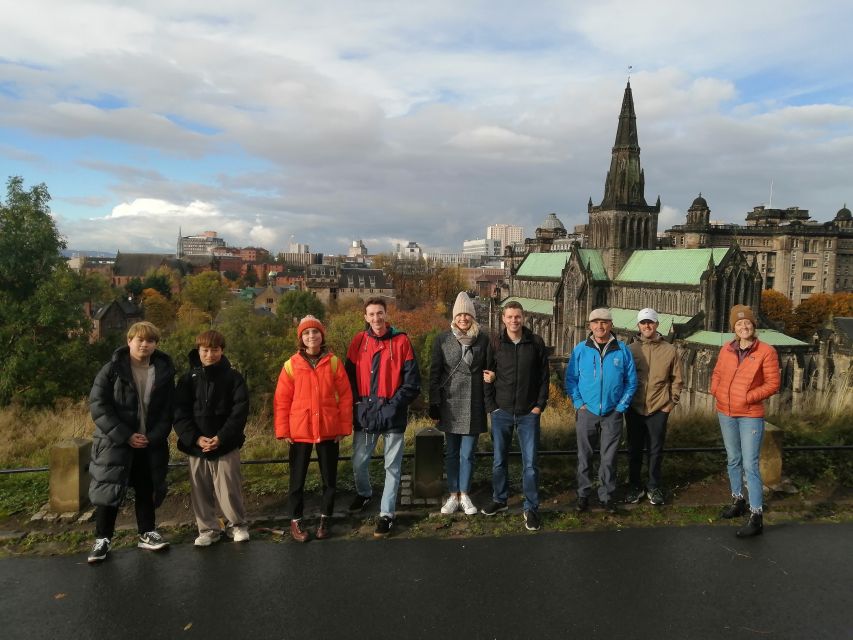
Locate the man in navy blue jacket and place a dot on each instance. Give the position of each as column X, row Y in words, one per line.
column 600, row 379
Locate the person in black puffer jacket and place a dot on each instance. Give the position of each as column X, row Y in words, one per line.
column 211, row 409
column 131, row 405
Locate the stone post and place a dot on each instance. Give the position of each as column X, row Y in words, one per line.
column 429, row 467
column 69, row 475
column 770, row 458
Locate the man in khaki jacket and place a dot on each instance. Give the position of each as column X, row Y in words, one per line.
column 659, row 375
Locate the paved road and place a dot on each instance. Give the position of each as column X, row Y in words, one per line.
column 796, row 581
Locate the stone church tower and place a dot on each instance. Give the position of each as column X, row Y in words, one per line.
column 623, row 222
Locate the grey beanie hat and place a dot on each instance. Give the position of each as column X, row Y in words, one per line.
column 464, row 304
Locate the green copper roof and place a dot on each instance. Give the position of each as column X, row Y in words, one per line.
column 627, row 319
column 769, row 336
column 543, row 265
column 531, row 305
column 669, row 266
column 592, row 257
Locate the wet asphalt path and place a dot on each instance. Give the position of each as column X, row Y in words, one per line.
column 796, row 581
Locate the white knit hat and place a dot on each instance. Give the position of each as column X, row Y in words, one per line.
column 464, row 304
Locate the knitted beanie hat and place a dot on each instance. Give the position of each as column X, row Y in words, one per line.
column 741, row 312
column 464, row 304
column 309, row 322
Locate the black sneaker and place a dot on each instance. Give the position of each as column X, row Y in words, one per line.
column 531, row 520
column 582, row 504
column 609, row 506
column 656, row 496
column 99, row 550
column 383, row 527
column 493, row 508
column 735, row 509
column 152, row 541
column 635, row 494
column 359, row 503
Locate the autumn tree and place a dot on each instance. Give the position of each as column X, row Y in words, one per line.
column 158, row 309
column 778, row 308
column 294, row 305
column 811, row 314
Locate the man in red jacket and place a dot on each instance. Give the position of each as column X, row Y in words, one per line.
column 385, row 380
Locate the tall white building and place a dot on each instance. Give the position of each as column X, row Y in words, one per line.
column 506, row 234
column 482, row 247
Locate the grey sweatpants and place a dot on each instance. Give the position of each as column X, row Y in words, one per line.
column 592, row 431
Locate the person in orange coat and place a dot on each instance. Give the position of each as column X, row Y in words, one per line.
column 746, row 374
column 312, row 408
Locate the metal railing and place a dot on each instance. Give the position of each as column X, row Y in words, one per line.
column 488, row 454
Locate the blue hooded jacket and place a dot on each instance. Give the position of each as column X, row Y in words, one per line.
column 602, row 382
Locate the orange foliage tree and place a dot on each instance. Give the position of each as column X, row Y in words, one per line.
column 778, row 308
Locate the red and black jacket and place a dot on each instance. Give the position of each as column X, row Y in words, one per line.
column 385, row 380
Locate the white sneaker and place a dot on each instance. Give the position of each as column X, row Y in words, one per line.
column 206, row 538
column 240, row 534
column 467, row 506
column 451, row 505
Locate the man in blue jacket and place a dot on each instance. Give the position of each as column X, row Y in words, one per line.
column 600, row 379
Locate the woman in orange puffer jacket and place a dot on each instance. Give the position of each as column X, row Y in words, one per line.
column 312, row 408
column 746, row 374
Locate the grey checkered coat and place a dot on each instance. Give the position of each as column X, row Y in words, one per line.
column 455, row 388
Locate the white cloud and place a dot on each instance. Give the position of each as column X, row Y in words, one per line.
column 154, row 208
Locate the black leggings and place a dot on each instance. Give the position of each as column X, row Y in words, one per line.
column 327, row 457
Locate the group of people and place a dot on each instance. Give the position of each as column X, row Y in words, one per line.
column 319, row 401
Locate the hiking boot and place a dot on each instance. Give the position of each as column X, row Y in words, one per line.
column 359, row 503
column 451, row 505
column 582, row 504
column 100, row 550
column 206, row 538
column 383, row 527
column 531, row 520
column 753, row 527
column 323, row 528
column 656, row 496
column 735, row 509
column 635, row 494
column 493, row 508
column 467, row 506
column 152, row 541
column 298, row 532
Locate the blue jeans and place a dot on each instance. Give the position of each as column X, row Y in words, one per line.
column 363, row 444
column 528, row 439
column 742, row 437
column 459, row 461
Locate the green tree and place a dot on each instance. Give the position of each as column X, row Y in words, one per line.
column 295, row 305
column 257, row 345
column 205, row 292
column 44, row 332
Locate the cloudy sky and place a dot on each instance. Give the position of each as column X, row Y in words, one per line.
column 395, row 121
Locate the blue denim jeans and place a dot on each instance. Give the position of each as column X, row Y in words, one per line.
column 363, row 444
column 742, row 437
column 527, row 427
column 459, row 461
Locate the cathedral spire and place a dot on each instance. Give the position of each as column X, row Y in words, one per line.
column 624, row 188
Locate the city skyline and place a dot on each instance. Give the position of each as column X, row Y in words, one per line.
column 392, row 123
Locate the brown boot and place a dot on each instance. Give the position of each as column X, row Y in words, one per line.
column 323, row 530
column 298, row 532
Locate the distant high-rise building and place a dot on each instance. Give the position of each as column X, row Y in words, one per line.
column 482, row 247
column 298, row 247
column 200, row 244
column 411, row 251
column 357, row 250
column 506, row 234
